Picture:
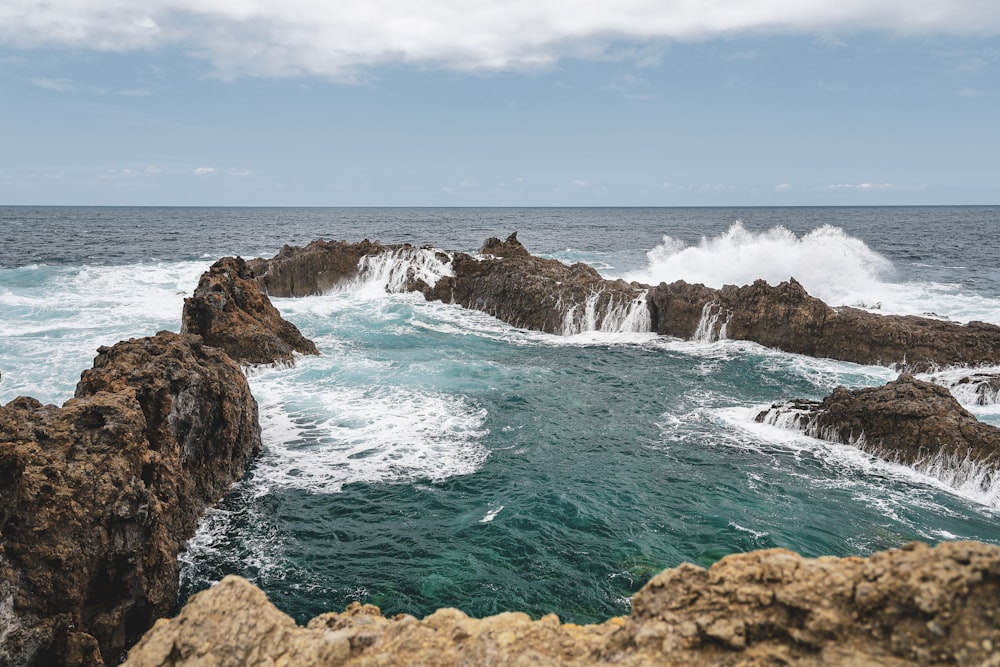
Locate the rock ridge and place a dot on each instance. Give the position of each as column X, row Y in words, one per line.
column 912, row 606
column 508, row 282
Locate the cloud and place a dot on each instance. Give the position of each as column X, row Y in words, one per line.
column 860, row 186
column 579, row 183
column 239, row 172
column 339, row 39
column 56, row 85
column 204, row 171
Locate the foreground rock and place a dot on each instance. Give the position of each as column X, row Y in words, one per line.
column 906, row 421
column 98, row 497
column 230, row 310
column 506, row 281
column 915, row 606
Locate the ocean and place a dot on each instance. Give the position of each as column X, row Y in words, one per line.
column 434, row 456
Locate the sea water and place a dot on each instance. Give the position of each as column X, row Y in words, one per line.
column 434, row 456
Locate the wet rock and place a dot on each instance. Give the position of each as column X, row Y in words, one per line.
column 230, row 310
column 907, row 421
column 97, row 497
column 786, row 317
column 509, row 283
column 506, row 281
column 912, row 606
column 314, row 269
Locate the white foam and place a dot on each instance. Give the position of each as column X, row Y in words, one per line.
column 962, row 476
column 490, row 515
column 393, row 271
column 617, row 316
column 831, row 265
column 974, row 395
column 346, row 434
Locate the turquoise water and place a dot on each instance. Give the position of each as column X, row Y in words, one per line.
column 434, row 456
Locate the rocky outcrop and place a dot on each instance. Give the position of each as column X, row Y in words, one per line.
column 788, row 318
column 506, row 281
column 97, row 497
column 512, row 285
column 912, row 606
column 907, row 421
column 315, row 269
column 230, row 310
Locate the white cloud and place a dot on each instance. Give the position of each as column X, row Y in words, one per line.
column 579, row 183
column 240, row 172
column 860, row 186
column 204, row 171
column 783, row 186
column 337, row 38
column 56, row 85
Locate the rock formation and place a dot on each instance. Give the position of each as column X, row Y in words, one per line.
column 526, row 291
column 229, row 310
column 910, row 606
column 98, row 497
column 788, row 318
column 506, row 281
column 907, row 421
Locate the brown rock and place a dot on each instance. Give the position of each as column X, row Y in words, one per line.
column 315, row 269
column 914, row 606
column 98, row 497
column 230, row 310
column 907, row 421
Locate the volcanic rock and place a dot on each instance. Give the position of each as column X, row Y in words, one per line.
column 315, row 269
column 98, row 497
column 910, row 606
column 906, row 421
column 511, row 284
column 506, row 281
column 788, row 318
column 230, row 310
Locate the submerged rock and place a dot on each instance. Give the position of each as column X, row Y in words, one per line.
column 911, row 606
column 98, row 497
column 907, row 421
column 508, row 282
column 230, row 310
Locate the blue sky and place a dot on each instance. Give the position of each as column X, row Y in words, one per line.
column 448, row 103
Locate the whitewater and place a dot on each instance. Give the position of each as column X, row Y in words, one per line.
column 435, row 456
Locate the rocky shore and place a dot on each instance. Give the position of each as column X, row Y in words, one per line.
column 98, row 497
column 506, row 281
column 910, row 606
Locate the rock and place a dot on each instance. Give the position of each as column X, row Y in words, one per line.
column 911, row 606
column 315, row 269
column 787, row 318
column 907, row 421
column 985, row 387
column 98, row 497
column 526, row 291
column 506, row 281
column 230, row 310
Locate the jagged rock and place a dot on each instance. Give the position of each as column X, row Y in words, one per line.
column 510, row 284
column 315, row 269
column 911, row 606
column 506, row 281
column 230, row 310
column 908, row 421
column 98, row 497
column 788, row 318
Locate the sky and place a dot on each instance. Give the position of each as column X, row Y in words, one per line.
column 515, row 103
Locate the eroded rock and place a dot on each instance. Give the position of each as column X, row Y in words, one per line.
column 912, row 606
column 97, row 497
column 907, row 421
column 230, row 310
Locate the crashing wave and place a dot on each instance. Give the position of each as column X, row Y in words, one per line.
column 613, row 316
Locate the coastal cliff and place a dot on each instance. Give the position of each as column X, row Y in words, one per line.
column 97, row 497
column 506, row 281
column 910, row 606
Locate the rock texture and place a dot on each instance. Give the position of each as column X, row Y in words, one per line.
column 98, row 497
column 788, row 318
column 230, row 310
column 315, row 269
column 526, row 291
column 506, row 281
column 914, row 606
column 908, row 421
